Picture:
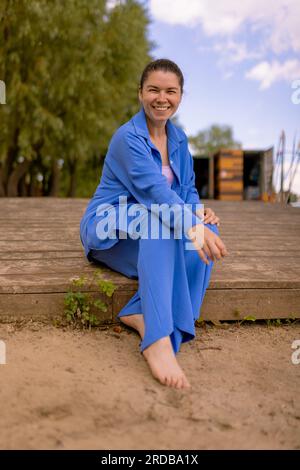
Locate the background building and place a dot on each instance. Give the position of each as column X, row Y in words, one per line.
column 234, row 175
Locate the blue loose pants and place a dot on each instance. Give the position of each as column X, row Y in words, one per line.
column 172, row 285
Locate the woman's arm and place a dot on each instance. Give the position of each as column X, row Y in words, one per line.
column 132, row 162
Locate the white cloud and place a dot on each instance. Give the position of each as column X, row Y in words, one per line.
column 276, row 20
column 268, row 73
column 232, row 51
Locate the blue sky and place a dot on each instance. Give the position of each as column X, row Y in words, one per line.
column 239, row 60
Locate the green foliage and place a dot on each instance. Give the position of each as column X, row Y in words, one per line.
column 71, row 71
column 210, row 140
column 249, row 318
column 78, row 305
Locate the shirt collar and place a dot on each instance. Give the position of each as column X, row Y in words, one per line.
column 141, row 128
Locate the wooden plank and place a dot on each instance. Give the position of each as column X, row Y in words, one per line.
column 232, row 153
column 46, row 245
column 53, row 282
column 236, row 304
column 35, row 255
column 230, row 186
column 78, row 255
column 231, row 163
column 61, row 282
column 44, row 307
column 231, row 197
column 228, row 304
column 238, row 267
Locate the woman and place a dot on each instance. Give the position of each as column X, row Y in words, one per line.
column 148, row 162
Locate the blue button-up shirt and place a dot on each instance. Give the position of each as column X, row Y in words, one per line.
column 132, row 168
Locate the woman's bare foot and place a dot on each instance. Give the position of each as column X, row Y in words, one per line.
column 136, row 321
column 163, row 364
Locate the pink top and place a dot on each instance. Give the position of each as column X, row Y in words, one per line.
column 168, row 173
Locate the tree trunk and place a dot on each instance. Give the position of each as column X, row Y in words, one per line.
column 32, row 184
column 73, row 174
column 2, row 189
column 23, row 188
column 15, row 177
column 9, row 160
column 54, row 181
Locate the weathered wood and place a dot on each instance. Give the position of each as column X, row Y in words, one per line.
column 52, row 282
column 239, row 270
column 41, row 251
column 44, row 307
column 236, row 304
column 21, row 255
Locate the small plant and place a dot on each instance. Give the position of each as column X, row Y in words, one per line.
column 200, row 323
column 248, row 318
column 78, row 305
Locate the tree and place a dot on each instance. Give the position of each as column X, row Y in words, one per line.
column 210, row 140
column 70, row 71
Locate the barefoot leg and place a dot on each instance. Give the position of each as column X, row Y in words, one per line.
column 135, row 321
column 163, row 364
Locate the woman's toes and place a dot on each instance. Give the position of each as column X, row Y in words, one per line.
column 166, row 381
column 179, row 383
column 169, row 381
column 173, row 382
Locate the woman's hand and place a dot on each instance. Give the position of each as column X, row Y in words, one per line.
column 213, row 248
column 210, row 217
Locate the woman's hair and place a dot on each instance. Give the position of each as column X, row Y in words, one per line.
column 165, row 65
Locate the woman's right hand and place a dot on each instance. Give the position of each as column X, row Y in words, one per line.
column 213, row 248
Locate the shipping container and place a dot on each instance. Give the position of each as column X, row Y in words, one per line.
column 235, row 174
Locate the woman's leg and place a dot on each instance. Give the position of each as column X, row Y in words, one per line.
column 194, row 281
column 122, row 258
column 198, row 274
column 172, row 284
column 157, row 347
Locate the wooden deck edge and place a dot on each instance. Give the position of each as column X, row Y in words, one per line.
column 132, row 286
column 219, row 304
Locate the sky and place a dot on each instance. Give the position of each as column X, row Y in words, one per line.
column 240, row 61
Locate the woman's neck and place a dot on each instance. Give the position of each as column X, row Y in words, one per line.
column 156, row 130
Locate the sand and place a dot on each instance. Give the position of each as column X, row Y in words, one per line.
column 69, row 389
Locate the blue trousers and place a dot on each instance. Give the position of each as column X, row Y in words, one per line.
column 172, row 285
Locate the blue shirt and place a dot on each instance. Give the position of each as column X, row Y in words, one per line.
column 133, row 168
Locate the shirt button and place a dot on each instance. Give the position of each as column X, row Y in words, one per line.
column 171, row 161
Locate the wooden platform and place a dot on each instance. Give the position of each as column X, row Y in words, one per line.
column 40, row 251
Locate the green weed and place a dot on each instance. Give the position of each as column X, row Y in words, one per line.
column 79, row 306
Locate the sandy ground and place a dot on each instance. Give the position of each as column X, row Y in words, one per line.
column 70, row 389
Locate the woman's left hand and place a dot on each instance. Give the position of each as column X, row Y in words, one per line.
column 210, row 217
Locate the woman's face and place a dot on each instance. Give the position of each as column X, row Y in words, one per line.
column 161, row 95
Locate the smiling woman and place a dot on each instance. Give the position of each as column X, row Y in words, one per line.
column 148, row 163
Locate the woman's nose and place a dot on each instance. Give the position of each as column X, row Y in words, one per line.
column 161, row 96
